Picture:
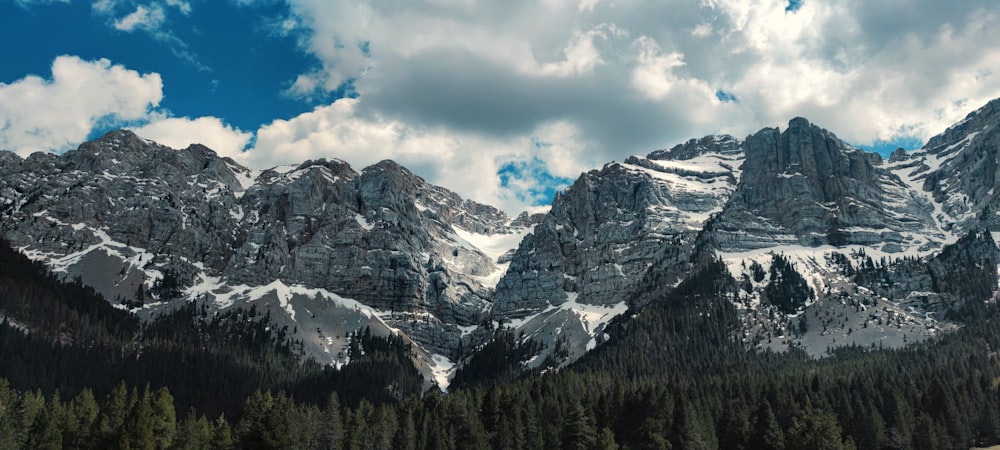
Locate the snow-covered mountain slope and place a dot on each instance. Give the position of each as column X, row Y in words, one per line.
column 958, row 171
column 828, row 244
column 579, row 267
column 864, row 237
column 329, row 248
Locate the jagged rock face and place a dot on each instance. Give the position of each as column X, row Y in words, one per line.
column 366, row 237
column 805, row 187
column 612, row 224
column 383, row 237
column 947, row 283
column 175, row 202
column 960, row 169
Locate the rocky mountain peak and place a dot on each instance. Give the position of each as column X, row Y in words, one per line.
column 335, row 166
column 961, row 168
column 805, row 186
column 897, row 155
column 978, row 121
column 804, row 159
column 719, row 144
column 120, row 139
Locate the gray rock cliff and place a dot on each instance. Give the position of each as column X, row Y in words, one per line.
column 804, row 186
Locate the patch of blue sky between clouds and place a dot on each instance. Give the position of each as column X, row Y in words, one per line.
column 726, row 97
column 530, row 181
column 794, row 5
column 884, row 147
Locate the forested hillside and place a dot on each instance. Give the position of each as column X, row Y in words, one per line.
column 672, row 376
column 57, row 336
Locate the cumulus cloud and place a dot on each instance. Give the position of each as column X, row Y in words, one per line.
column 465, row 162
column 180, row 132
column 860, row 66
column 39, row 114
column 104, row 7
column 83, row 97
column 439, row 80
column 653, row 74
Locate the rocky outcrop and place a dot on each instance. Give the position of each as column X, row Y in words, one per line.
column 610, row 226
column 141, row 194
column 960, row 169
column 803, row 186
column 952, row 283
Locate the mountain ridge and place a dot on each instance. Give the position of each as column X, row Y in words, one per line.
column 329, row 249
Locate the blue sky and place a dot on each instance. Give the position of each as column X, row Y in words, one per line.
column 234, row 64
column 503, row 102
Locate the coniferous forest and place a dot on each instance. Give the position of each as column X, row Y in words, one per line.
column 79, row 373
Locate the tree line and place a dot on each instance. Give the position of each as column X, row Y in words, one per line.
column 676, row 375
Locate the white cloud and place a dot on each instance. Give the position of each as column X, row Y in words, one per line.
column 183, row 6
column 82, row 97
column 457, row 88
column 587, row 5
column 104, row 7
column 653, row 75
column 153, row 19
column 581, row 53
column 55, row 114
column 465, row 162
column 824, row 60
column 306, row 85
column 180, row 132
column 440, row 80
column 143, row 18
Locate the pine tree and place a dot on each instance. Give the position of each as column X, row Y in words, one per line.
column 767, row 434
column 333, row 428
column 83, row 413
column 140, row 423
column 689, row 430
column 222, row 435
column 29, row 407
column 358, row 433
column 384, row 427
column 605, row 440
column 193, row 433
column 111, row 421
column 816, row 429
column 406, row 433
column 580, row 431
column 735, row 427
column 46, row 432
column 252, row 431
column 8, row 416
column 164, row 419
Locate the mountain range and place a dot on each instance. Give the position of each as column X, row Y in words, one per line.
column 825, row 244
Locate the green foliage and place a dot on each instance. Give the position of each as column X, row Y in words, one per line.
column 188, row 351
column 787, row 289
column 500, row 360
column 673, row 375
column 168, row 287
